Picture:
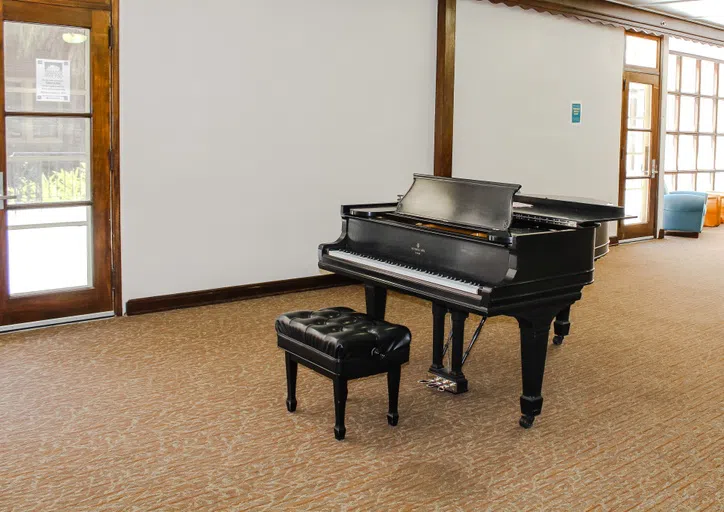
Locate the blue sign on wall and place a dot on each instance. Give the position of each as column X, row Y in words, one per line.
column 575, row 113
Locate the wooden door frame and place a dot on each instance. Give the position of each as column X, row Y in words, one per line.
column 643, row 75
column 112, row 6
column 115, row 160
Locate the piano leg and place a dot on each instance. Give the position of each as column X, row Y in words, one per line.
column 458, row 383
column 458, row 343
column 562, row 325
column 438, row 335
column 376, row 299
column 534, row 330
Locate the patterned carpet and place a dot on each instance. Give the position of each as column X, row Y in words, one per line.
column 185, row 410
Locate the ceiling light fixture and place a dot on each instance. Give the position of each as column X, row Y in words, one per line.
column 74, row 38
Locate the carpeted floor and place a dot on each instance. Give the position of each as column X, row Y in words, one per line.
column 185, row 410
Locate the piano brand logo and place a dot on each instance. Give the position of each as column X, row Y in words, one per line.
column 417, row 249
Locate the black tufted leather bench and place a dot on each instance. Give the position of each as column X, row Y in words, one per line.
column 343, row 344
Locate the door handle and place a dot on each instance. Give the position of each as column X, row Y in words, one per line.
column 3, row 199
column 654, row 169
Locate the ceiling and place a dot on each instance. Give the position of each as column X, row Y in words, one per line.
column 704, row 11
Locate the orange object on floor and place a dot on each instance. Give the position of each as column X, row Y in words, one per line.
column 713, row 211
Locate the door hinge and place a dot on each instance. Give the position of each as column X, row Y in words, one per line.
column 110, row 36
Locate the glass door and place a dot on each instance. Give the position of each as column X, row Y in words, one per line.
column 639, row 154
column 55, row 148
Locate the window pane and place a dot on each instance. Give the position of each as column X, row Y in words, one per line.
column 688, row 75
column 43, row 256
column 720, row 152
column 636, row 201
column 685, row 181
column 73, row 214
column 707, row 78
column 48, row 159
column 641, row 51
column 670, row 155
column 687, row 155
column 706, row 153
column 687, row 114
column 639, row 105
column 671, row 113
column 720, row 116
column 706, row 115
column 719, row 182
column 46, row 68
column 670, row 180
column 673, row 74
column 721, row 80
column 638, row 154
column 704, row 181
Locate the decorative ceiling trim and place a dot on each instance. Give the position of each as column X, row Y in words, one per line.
column 623, row 16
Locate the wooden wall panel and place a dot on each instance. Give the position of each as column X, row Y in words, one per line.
column 445, row 87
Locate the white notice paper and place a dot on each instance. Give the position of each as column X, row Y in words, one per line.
column 52, row 80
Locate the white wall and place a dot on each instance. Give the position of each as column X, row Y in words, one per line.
column 246, row 123
column 517, row 73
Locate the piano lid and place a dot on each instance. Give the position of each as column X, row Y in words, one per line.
column 460, row 202
column 582, row 211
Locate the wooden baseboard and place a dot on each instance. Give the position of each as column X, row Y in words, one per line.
column 233, row 293
column 613, row 241
column 661, row 235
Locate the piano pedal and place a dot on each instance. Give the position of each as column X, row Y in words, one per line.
column 440, row 384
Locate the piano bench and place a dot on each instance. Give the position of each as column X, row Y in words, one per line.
column 343, row 345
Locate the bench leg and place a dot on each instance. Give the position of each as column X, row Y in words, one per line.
column 291, row 382
column 393, row 390
column 340, row 400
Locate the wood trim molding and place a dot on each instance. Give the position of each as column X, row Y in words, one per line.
column 104, row 5
column 661, row 234
column 234, row 293
column 31, row 12
column 613, row 241
column 117, row 282
column 619, row 15
column 445, row 87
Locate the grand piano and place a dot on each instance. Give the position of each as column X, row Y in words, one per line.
column 475, row 247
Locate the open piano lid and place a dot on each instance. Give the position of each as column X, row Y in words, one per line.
column 460, row 202
column 581, row 211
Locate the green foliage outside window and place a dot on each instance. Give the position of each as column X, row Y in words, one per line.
column 59, row 185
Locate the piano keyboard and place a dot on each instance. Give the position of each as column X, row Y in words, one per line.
column 406, row 271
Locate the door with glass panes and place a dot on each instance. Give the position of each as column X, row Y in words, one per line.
column 640, row 124
column 55, row 236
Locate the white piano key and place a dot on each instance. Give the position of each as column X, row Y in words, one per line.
column 406, row 271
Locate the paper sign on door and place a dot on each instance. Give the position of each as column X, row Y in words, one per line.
column 52, row 80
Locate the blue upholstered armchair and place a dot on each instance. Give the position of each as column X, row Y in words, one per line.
column 684, row 211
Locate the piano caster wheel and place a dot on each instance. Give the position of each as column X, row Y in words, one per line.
column 558, row 340
column 291, row 405
column 526, row 421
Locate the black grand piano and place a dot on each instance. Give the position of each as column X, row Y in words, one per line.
column 475, row 247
